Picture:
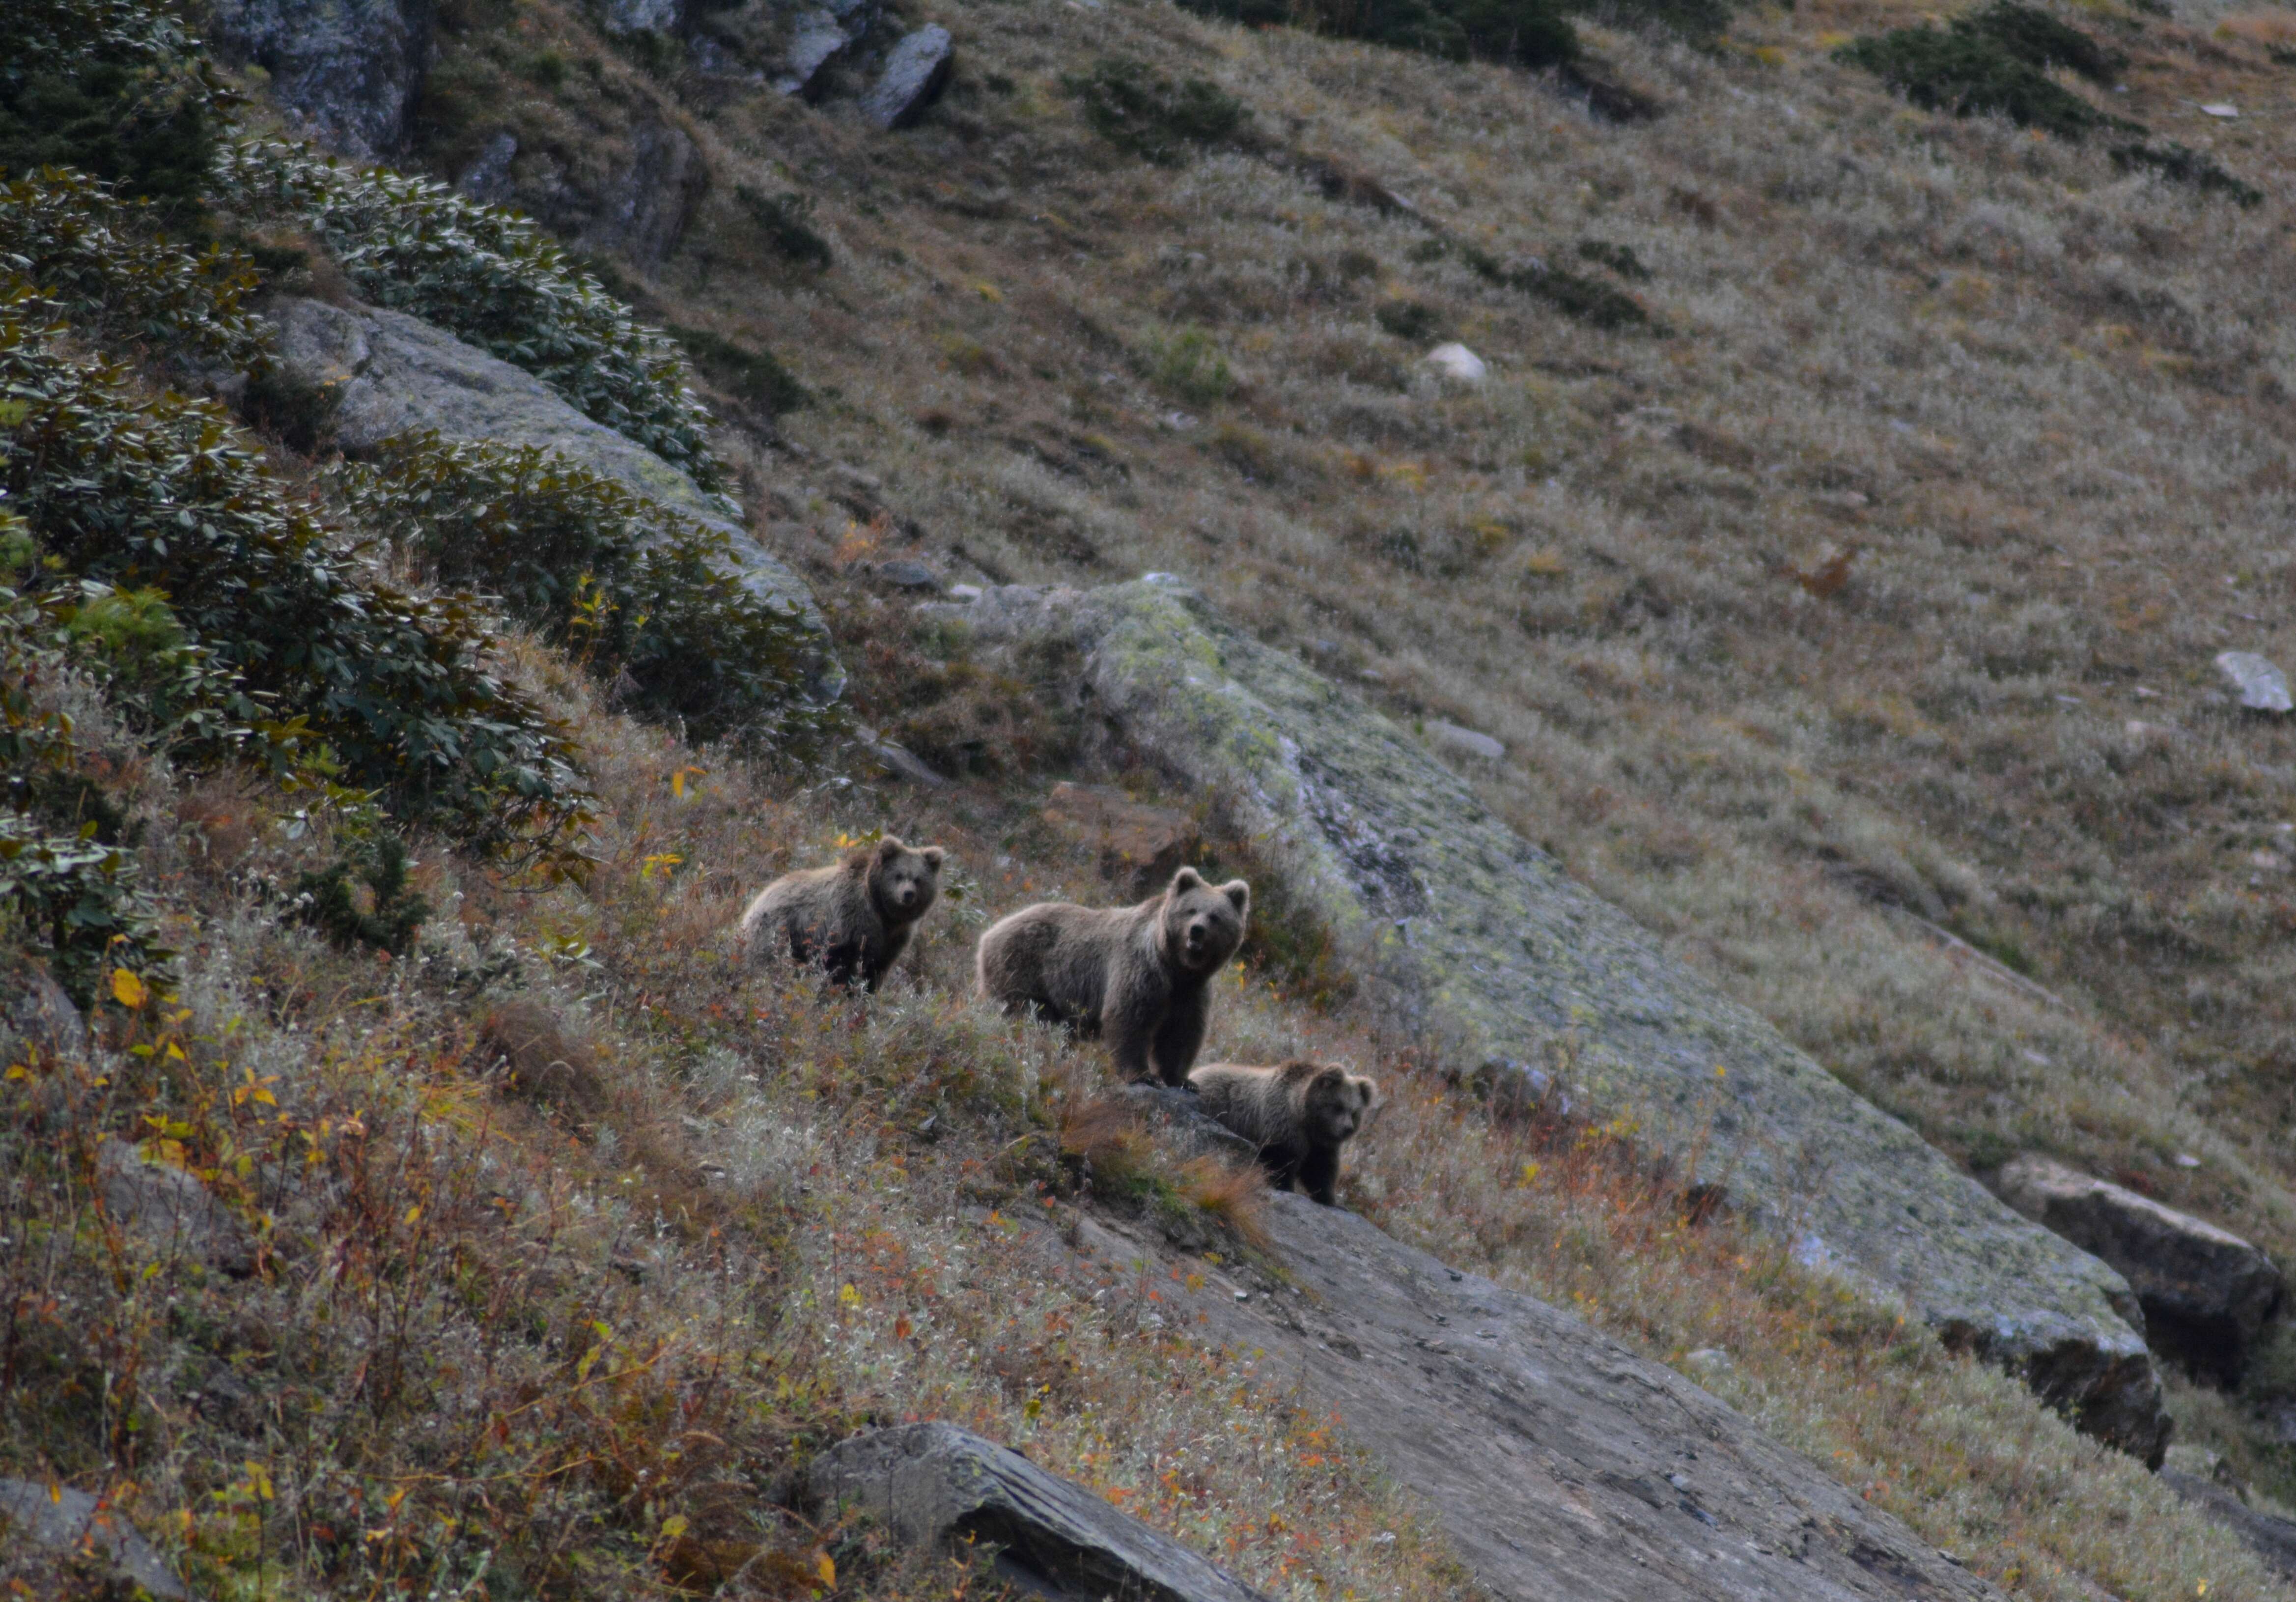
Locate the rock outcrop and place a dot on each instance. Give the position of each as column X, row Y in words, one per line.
column 914, row 73
column 351, row 70
column 1499, row 955
column 62, row 1521
column 2206, row 1294
column 1560, row 1464
column 934, row 1484
column 391, row 374
column 164, row 1212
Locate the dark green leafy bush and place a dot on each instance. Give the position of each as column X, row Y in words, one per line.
column 1529, row 33
column 134, row 491
column 1996, row 62
column 114, row 87
column 1128, row 104
column 66, row 879
column 644, row 597
column 385, row 919
column 787, row 220
column 100, row 258
column 754, row 377
column 491, row 277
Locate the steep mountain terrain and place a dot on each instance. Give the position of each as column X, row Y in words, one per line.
column 1805, row 514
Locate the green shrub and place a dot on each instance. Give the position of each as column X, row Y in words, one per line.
column 1411, row 320
column 123, row 489
column 754, row 377
column 1190, row 368
column 787, row 220
column 491, row 277
column 1996, row 61
column 646, row 597
column 1529, row 33
column 2182, row 164
column 116, row 88
column 1620, row 259
column 1130, row 105
column 102, row 259
column 1573, row 294
column 66, row 879
column 391, row 912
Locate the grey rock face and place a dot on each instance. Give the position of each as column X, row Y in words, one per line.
column 916, row 73
column 1560, row 1464
column 2261, row 687
column 2206, row 1292
column 167, row 1214
column 642, row 16
column 816, row 38
column 2272, row 1538
column 636, row 201
column 487, row 177
column 39, row 1015
column 351, row 69
column 935, row 1484
column 1179, row 1118
column 1494, row 950
column 69, row 1521
column 1455, row 741
column 397, row 375
column 1139, row 847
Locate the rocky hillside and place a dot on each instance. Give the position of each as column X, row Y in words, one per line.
column 1687, row 557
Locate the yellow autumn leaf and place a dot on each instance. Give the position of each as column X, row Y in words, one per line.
column 828, row 1569
column 673, row 1526
column 127, row 988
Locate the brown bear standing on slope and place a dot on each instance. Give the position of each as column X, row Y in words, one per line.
column 1298, row 1115
column 854, row 918
column 1132, row 975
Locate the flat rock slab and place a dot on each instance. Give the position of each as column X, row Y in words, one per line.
column 1496, row 952
column 935, row 1484
column 1560, row 1464
column 2272, row 1538
column 2206, row 1292
column 394, row 375
column 916, row 71
column 65, row 1521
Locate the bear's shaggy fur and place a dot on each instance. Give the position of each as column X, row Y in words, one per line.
column 1299, row 1114
column 1134, row 976
column 852, row 918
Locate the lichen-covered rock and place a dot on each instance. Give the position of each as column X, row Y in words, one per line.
column 165, row 1213
column 915, row 71
column 1500, row 956
column 935, row 1484
column 2206, row 1292
column 392, row 373
column 350, row 68
column 1561, row 1465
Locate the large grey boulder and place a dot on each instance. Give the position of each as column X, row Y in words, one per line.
column 392, row 373
column 934, row 1484
column 1560, row 1464
column 166, row 1213
column 2261, row 686
column 1497, row 953
column 915, row 71
column 2207, row 1293
column 63, row 1521
column 350, row 68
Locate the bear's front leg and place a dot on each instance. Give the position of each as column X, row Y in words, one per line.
column 1178, row 1040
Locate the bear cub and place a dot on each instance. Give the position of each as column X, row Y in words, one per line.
column 1299, row 1114
column 1134, row 976
column 853, row 917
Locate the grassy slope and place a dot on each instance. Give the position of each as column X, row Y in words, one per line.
column 2040, row 407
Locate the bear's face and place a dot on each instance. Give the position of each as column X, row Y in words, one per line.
column 905, row 883
column 1338, row 1104
column 1203, row 924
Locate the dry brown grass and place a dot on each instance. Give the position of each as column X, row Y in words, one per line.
column 1878, row 600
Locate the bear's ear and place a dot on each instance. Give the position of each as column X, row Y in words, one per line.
column 1368, row 1089
column 932, row 854
column 1239, row 896
column 1186, row 880
column 889, row 848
